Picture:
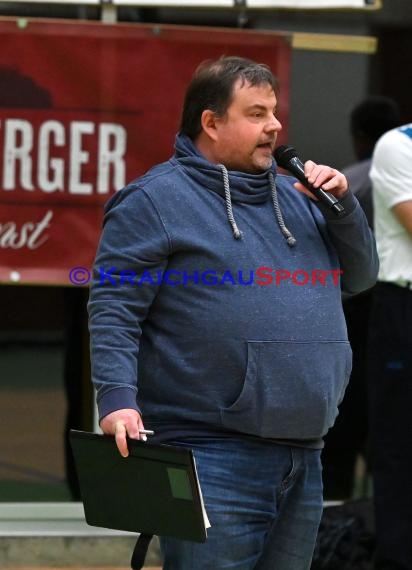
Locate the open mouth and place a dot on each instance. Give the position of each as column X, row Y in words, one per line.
column 266, row 146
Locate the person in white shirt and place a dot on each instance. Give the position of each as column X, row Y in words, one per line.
column 390, row 350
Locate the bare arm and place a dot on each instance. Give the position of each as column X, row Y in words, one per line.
column 403, row 212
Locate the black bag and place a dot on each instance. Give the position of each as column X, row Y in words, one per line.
column 346, row 538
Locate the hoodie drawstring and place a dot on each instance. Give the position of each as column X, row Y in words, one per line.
column 237, row 234
column 290, row 240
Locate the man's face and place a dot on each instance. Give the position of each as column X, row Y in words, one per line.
column 246, row 134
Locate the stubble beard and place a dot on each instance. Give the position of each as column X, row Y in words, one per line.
column 263, row 163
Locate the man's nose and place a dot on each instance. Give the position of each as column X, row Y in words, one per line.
column 273, row 125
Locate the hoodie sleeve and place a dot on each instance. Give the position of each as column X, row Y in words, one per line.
column 133, row 251
column 354, row 243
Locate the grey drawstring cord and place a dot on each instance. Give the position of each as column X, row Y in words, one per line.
column 237, row 234
column 290, row 240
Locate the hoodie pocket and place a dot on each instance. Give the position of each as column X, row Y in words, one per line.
column 291, row 390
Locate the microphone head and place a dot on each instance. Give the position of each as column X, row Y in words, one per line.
column 283, row 154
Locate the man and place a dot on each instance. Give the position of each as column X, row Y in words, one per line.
column 369, row 119
column 211, row 337
column 390, row 350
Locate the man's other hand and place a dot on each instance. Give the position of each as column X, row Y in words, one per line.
column 122, row 423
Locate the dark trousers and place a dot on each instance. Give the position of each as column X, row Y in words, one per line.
column 348, row 437
column 390, row 413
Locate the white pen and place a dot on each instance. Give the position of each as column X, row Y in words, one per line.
column 146, row 431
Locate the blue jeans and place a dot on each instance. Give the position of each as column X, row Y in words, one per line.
column 264, row 502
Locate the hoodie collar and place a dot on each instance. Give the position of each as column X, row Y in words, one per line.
column 244, row 187
column 232, row 185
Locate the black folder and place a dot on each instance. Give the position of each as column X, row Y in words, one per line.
column 155, row 490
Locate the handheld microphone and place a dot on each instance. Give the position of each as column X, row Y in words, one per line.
column 287, row 158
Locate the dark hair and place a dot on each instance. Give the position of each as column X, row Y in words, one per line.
column 374, row 116
column 212, row 88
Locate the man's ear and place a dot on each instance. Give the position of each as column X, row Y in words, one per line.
column 208, row 121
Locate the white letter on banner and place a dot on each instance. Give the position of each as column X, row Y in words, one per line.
column 79, row 157
column 111, row 155
column 18, row 143
column 49, row 130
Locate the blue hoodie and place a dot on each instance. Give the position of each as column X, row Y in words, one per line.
column 188, row 330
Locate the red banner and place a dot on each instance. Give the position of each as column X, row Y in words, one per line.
column 84, row 109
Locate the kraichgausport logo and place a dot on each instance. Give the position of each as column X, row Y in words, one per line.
column 263, row 276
